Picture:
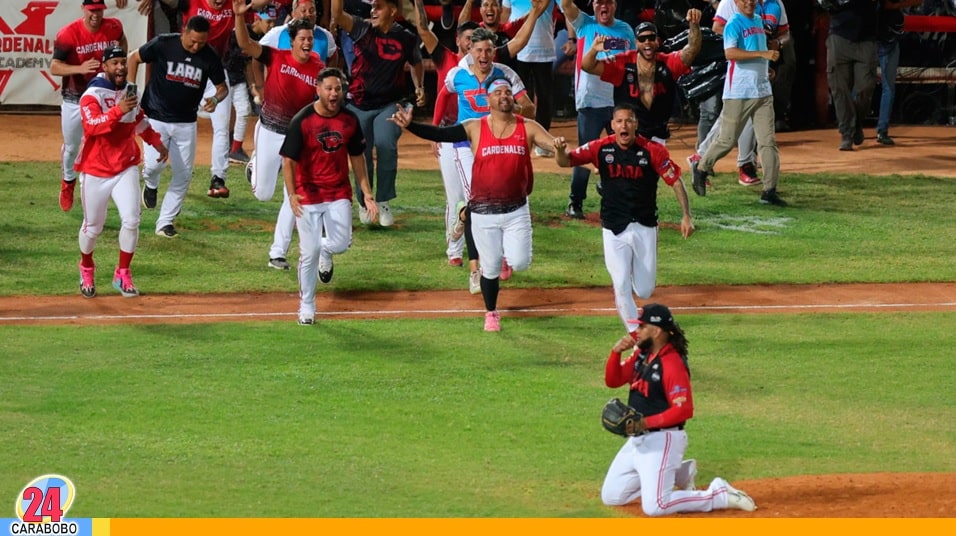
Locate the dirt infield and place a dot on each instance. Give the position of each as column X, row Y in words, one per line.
column 919, row 150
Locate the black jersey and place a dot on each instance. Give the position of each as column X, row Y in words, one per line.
column 178, row 78
column 628, row 179
column 378, row 71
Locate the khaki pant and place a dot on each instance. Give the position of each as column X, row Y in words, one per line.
column 733, row 117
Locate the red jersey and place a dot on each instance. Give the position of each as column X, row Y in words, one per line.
column 446, row 105
column 289, row 86
column 660, row 385
column 501, row 174
column 75, row 44
column 220, row 22
column 109, row 136
column 622, row 74
column 321, row 147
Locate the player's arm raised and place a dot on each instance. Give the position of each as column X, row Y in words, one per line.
column 342, row 19
column 428, row 37
column 520, row 40
column 248, row 46
column 694, row 39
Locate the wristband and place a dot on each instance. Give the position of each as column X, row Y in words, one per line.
column 215, row 100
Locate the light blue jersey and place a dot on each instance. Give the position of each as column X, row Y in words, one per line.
column 279, row 38
column 472, row 94
column 590, row 91
column 746, row 79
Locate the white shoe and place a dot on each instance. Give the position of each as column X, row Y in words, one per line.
column 364, row 216
column 688, row 475
column 385, row 217
column 736, row 499
column 474, row 282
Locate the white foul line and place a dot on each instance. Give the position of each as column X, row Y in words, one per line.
column 550, row 310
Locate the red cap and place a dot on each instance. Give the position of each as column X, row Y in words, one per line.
column 93, row 5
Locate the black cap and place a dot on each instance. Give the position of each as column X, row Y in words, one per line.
column 645, row 27
column 113, row 52
column 656, row 314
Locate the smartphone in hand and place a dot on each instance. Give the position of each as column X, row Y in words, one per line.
column 131, row 90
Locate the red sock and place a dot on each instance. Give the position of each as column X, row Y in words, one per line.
column 236, row 146
column 86, row 259
column 125, row 258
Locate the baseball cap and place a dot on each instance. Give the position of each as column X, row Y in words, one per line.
column 268, row 13
column 645, row 27
column 655, row 314
column 113, row 52
column 93, row 5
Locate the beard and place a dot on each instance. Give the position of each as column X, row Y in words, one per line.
column 645, row 344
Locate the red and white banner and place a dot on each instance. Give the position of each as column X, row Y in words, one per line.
column 27, row 31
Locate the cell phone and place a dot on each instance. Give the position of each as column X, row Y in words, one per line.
column 615, row 43
column 408, row 107
column 131, row 90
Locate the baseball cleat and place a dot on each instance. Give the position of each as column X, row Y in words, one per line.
column 238, row 157
column 325, row 275
column 364, row 217
column 770, row 197
column 474, row 282
column 385, row 216
column 492, row 321
column 66, row 194
column 123, row 282
column 458, row 225
column 167, row 231
column 738, row 500
column 306, row 321
column 149, row 196
column 217, row 188
column 279, row 263
column 87, row 285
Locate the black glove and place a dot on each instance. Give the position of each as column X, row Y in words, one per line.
column 621, row 419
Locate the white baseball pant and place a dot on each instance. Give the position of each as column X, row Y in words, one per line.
column 71, row 125
column 631, row 261
column 266, row 164
column 505, row 236
column 180, row 140
column 239, row 94
column 457, row 183
column 647, row 467
column 315, row 250
column 95, row 194
column 219, row 158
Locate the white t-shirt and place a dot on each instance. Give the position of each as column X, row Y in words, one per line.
column 540, row 47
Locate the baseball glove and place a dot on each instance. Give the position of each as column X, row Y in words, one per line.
column 621, row 419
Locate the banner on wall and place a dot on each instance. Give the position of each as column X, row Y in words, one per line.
column 27, row 32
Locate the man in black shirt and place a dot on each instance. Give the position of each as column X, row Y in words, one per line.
column 851, row 67
column 182, row 64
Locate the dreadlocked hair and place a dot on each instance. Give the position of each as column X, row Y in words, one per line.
column 678, row 340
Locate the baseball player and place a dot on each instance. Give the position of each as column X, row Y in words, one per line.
column 501, row 180
column 324, row 45
column 77, row 50
column 107, row 164
column 182, row 66
column 651, row 462
column 219, row 14
column 321, row 141
column 466, row 82
column 630, row 167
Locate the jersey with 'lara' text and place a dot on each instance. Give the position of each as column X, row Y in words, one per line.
column 176, row 85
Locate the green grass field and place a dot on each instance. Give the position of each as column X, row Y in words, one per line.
column 433, row 418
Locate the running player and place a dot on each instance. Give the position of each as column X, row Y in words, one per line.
column 182, row 66
column 289, row 86
column 323, row 45
column 467, row 82
column 322, row 140
column 77, row 50
column 107, row 165
column 502, row 179
column 630, row 166
column 219, row 14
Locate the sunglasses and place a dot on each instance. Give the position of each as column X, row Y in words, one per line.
column 648, row 37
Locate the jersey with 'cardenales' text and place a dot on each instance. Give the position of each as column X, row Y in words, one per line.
column 178, row 80
column 220, row 22
column 75, row 44
column 321, row 147
column 501, row 173
column 289, row 86
column 628, row 179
